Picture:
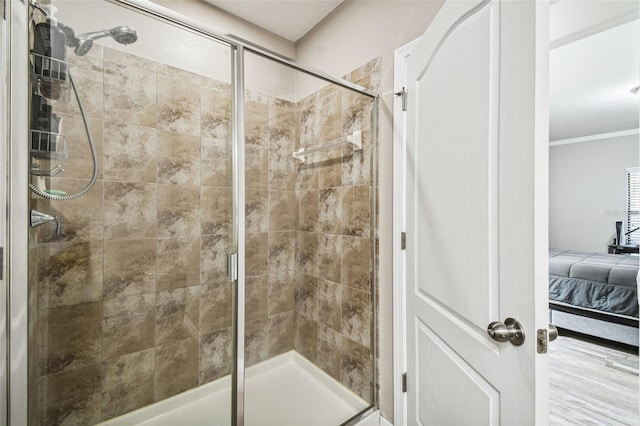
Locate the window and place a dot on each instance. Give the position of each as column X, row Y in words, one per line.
column 633, row 205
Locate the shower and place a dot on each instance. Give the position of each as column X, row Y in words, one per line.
column 178, row 163
column 84, row 42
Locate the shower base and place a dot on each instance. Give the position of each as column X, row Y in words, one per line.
column 286, row 390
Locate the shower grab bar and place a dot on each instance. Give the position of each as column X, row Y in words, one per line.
column 355, row 138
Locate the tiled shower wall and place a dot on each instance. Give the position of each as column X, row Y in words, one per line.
column 130, row 303
column 133, row 304
column 333, row 294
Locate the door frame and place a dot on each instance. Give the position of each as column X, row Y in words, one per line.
column 400, row 59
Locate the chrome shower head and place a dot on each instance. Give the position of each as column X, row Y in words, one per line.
column 123, row 35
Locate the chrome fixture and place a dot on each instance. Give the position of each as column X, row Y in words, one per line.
column 123, row 35
column 56, row 171
column 509, row 330
column 355, row 139
column 39, row 218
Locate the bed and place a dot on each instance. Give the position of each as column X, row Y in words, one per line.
column 595, row 294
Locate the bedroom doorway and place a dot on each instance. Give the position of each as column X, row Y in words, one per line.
column 594, row 176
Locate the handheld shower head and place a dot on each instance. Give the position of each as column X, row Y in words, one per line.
column 123, row 35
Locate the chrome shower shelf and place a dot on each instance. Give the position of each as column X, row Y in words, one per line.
column 48, row 145
column 51, row 76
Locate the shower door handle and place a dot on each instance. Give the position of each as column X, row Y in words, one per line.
column 232, row 266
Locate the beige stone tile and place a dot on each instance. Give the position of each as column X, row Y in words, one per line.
column 306, row 337
column 329, row 351
column 179, row 74
column 178, row 158
column 215, row 307
column 72, row 397
column 257, row 217
column 330, row 210
column 356, row 262
column 124, row 58
column 356, row 211
column 282, row 170
column 178, row 210
column 370, row 71
column 256, row 123
column 308, row 211
column 178, row 262
column 177, row 368
column 307, row 297
column 282, row 128
column 80, row 163
column 178, row 106
column 215, row 355
column 329, row 164
column 257, row 167
column 216, row 162
column 357, row 112
column 88, row 74
column 256, row 341
column 216, row 112
column 257, row 254
column 81, row 219
column 281, row 333
column 309, row 253
column 172, row 320
column 133, row 372
column 129, row 95
column 356, row 166
column 356, row 315
column 130, row 153
column 309, row 121
column 213, row 258
column 257, row 302
column 307, row 175
column 129, row 268
column 330, row 304
column 216, row 210
column 69, row 338
column 282, row 250
column 283, row 211
column 357, row 369
column 329, row 257
column 129, row 210
column 69, row 274
column 282, row 287
column 330, row 114
column 129, row 325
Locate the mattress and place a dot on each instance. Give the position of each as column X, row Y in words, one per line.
column 604, row 282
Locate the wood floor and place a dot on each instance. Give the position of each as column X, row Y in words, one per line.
column 591, row 384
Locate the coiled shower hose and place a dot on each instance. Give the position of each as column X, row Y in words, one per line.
column 94, row 157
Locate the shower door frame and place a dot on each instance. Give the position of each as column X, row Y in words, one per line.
column 18, row 198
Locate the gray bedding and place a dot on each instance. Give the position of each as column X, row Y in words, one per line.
column 604, row 282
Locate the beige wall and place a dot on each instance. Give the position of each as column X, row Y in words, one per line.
column 351, row 35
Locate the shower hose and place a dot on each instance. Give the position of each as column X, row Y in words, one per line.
column 94, row 157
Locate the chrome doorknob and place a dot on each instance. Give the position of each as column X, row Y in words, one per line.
column 509, row 330
column 553, row 332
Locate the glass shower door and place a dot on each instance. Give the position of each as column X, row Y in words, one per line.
column 309, row 340
column 131, row 210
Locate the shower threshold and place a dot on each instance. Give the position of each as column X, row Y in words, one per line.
column 286, row 390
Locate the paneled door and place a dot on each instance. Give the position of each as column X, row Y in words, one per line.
column 477, row 215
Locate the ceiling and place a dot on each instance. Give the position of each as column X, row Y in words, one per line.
column 290, row 19
column 591, row 81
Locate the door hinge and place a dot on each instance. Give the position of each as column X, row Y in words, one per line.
column 403, row 93
column 404, row 382
column 543, row 341
column 232, row 266
column 403, row 241
column 1, row 263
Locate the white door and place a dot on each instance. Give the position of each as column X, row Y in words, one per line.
column 477, row 214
